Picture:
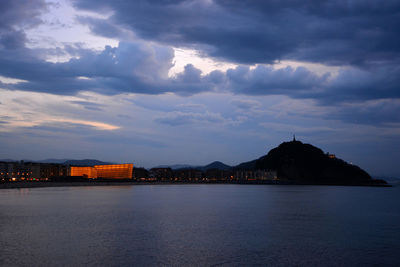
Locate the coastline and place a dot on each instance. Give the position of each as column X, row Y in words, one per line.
column 41, row 184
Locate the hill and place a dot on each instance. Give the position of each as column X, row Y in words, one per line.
column 176, row 166
column 216, row 165
column 85, row 162
column 58, row 161
column 295, row 161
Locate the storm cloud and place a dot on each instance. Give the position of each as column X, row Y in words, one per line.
column 362, row 37
column 143, row 68
column 330, row 32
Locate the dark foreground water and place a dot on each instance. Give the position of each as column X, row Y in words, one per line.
column 200, row 225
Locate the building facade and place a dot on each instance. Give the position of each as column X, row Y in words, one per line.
column 30, row 171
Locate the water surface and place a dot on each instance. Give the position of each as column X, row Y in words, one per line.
column 200, row 225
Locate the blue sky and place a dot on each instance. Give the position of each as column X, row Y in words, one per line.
column 166, row 82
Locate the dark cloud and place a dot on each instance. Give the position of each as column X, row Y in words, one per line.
column 385, row 112
column 20, row 13
column 127, row 68
column 268, row 81
column 265, row 30
column 143, row 68
column 16, row 16
column 12, row 39
column 134, row 67
column 102, row 27
column 333, row 32
column 355, row 85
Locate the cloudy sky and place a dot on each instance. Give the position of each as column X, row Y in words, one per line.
column 175, row 81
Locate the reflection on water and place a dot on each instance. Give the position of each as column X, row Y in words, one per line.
column 200, row 225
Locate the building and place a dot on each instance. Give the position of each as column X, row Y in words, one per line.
column 331, row 156
column 252, row 175
column 49, row 170
column 161, row 174
column 140, row 174
column 14, row 171
column 86, row 172
column 111, row 171
column 30, row 171
column 218, row 175
column 114, row 171
column 188, row 175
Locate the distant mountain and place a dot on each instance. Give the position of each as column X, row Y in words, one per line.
column 58, row 161
column 298, row 162
column 7, row 160
column 216, row 165
column 85, row 162
column 176, row 166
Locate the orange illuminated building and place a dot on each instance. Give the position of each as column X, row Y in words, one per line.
column 115, row 171
column 87, row 172
column 112, row 171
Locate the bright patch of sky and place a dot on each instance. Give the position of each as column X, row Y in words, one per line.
column 60, row 27
column 190, row 56
column 27, row 110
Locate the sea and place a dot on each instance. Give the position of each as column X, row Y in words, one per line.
column 200, row 225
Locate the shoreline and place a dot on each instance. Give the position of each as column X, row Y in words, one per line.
column 41, row 184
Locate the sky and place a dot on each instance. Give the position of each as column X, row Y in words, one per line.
column 194, row 81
